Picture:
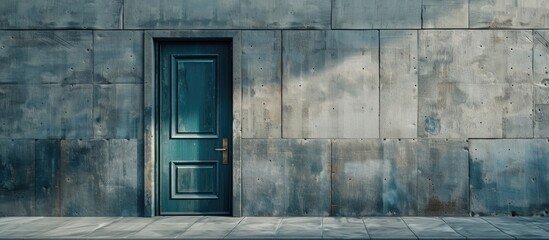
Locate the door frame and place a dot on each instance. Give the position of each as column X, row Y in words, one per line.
column 150, row 111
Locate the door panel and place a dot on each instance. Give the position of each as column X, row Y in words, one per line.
column 195, row 108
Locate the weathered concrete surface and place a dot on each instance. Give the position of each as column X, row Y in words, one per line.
column 217, row 227
column 61, row 14
column 124, row 173
column 285, row 177
column 45, row 111
column 541, row 81
column 330, row 84
column 77, row 227
column 344, row 228
column 212, row 227
column 475, row 228
column 371, row 178
column 118, row 111
column 541, row 66
column 17, row 173
column 475, row 84
column 261, row 82
column 166, row 227
column 398, row 84
column 118, row 56
column 83, row 163
column 445, row 13
column 518, row 228
column 431, row 228
column 100, row 177
column 47, row 177
column 300, row 227
column 387, row 228
column 122, row 228
column 542, row 113
column 376, row 14
column 45, row 56
column 227, row 14
column 256, row 227
column 443, row 178
column 509, row 176
column 509, row 14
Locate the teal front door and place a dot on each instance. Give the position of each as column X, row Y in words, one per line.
column 195, row 135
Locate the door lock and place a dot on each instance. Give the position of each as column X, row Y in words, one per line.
column 225, row 151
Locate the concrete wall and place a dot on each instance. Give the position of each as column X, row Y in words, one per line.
column 349, row 107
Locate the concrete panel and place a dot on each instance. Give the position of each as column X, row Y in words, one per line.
column 542, row 113
column 541, row 66
column 509, row 177
column 124, row 175
column 61, row 14
column 285, row 14
column 541, row 79
column 509, row 14
column 227, row 14
column 443, row 178
column 48, row 155
column 117, row 111
column 475, row 84
column 445, row 13
column 45, row 56
column 376, row 14
column 370, row 177
column 45, row 111
column 261, row 82
column 82, row 183
column 17, row 178
column 398, row 84
column 330, row 84
column 118, row 56
column 285, row 177
column 100, row 177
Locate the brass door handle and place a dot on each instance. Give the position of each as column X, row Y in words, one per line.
column 225, row 151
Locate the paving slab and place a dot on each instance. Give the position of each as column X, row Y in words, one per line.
column 166, row 227
column 211, row 228
column 256, row 227
column 431, row 228
column 122, row 228
column 16, row 220
column 344, row 228
column 300, row 228
column 78, row 227
column 388, row 228
column 475, row 228
column 36, row 228
column 542, row 222
column 518, row 228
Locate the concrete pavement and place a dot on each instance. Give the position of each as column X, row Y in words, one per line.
column 202, row 227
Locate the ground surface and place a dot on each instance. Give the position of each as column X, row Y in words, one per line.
column 275, row 227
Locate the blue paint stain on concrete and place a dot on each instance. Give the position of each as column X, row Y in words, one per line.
column 432, row 125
